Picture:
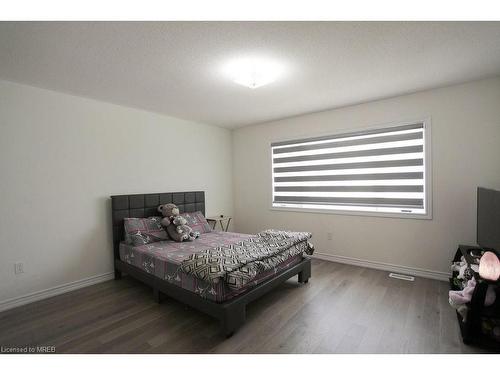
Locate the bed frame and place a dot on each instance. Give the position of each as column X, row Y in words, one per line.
column 231, row 313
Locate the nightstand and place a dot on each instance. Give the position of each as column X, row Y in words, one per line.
column 220, row 219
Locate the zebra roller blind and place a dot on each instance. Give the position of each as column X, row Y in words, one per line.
column 378, row 170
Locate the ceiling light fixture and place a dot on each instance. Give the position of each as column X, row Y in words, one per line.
column 253, row 72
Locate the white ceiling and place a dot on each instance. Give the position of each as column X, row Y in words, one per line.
column 174, row 67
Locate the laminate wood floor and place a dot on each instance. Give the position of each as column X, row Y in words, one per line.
column 343, row 309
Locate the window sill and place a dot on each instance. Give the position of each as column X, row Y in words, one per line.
column 393, row 215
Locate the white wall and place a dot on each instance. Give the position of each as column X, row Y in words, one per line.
column 62, row 156
column 465, row 154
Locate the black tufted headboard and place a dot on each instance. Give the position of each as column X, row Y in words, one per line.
column 145, row 205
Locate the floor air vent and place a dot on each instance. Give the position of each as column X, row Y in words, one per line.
column 401, row 277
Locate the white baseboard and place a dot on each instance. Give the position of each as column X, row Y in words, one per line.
column 74, row 285
column 51, row 292
column 420, row 272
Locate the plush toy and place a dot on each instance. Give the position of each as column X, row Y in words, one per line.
column 175, row 225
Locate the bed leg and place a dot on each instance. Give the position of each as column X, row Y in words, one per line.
column 305, row 274
column 118, row 274
column 156, row 295
column 233, row 318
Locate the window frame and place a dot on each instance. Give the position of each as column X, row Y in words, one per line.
column 400, row 215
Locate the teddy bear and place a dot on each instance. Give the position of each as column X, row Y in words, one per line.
column 176, row 225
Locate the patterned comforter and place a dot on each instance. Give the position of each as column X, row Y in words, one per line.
column 163, row 259
column 240, row 262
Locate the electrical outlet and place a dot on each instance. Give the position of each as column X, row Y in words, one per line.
column 18, row 268
column 329, row 236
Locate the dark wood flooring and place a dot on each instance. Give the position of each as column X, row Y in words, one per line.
column 343, row 309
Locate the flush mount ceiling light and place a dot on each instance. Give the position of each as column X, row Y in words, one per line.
column 253, row 72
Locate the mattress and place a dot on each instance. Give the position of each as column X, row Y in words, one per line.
column 163, row 259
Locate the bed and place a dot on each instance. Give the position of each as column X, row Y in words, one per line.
column 159, row 264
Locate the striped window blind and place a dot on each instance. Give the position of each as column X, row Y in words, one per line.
column 377, row 170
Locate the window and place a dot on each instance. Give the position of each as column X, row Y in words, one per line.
column 378, row 171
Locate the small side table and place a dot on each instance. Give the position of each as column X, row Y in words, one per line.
column 220, row 219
